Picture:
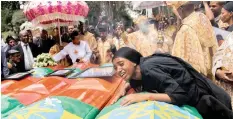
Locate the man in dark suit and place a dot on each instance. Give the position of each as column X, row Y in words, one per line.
column 44, row 43
column 27, row 50
column 4, row 68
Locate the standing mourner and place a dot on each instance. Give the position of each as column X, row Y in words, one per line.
column 44, row 43
column 170, row 79
column 216, row 7
column 87, row 36
column 223, row 65
column 227, row 15
column 195, row 41
column 27, row 50
column 70, row 30
column 30, row 36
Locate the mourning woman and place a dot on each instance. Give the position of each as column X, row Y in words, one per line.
column 172, row 80
column 227, row 15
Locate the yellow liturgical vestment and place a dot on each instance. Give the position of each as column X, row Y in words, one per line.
column 196, row 43
column 90, row 39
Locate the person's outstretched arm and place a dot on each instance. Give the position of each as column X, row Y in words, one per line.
column 62, row 54
column 139, row 97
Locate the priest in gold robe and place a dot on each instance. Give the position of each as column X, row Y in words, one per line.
column 195, row 41
column 105, row 46
column 223, row 66
column 146, row 40
column 87, row 36
column 120, row 37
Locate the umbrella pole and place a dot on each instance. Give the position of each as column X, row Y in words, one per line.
column 59, row 32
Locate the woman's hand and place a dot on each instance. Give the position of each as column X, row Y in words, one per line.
column 133, row 98
column 122, row 92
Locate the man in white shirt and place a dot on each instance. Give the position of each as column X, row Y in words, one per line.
column 27, row 51
column 78, row 50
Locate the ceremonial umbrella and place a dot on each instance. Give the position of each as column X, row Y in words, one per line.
column 139, row 5
column 148, row 5
column 55, row 13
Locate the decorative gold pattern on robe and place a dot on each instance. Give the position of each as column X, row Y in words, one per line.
column 224, row 55
column 146, row 44
column 104, row 49
column 90, row 38
column 196, row 43
column 56, row 49
column 224, row 58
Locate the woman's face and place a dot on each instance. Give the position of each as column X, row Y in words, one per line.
column 225, row 15
column 124, row 68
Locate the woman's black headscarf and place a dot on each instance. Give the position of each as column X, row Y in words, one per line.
column 128, row 53
column 228, row 6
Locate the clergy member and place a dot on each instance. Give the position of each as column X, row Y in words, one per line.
column 223, row 66
column 105, row 47
column 146, row 39
column 195, row 42
column 87, row 36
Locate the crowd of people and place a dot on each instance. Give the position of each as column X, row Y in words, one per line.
column 192, row 39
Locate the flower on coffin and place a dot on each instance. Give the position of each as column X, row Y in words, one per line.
column 44, row 60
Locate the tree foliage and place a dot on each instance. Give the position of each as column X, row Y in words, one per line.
column 94, row 11
column 7, row 10
column 6, row 19
column 115, row 11
column 11, row 5
column 18, row 17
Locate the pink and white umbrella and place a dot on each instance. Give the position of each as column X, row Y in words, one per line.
column 53, row 13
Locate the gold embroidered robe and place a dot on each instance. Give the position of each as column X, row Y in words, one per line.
column 196, row 43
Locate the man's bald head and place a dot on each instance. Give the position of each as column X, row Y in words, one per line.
column 23, row 35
